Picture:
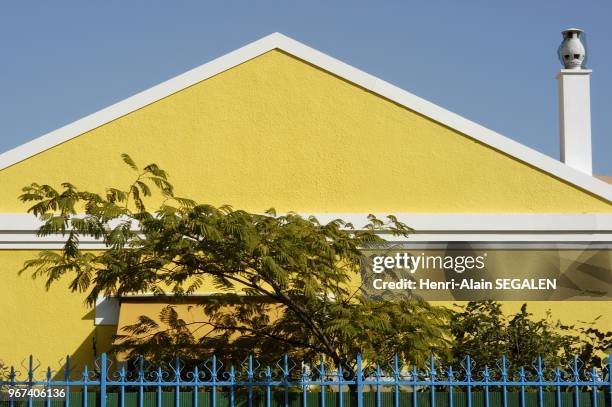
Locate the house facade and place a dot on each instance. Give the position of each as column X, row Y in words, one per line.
column 279, row 124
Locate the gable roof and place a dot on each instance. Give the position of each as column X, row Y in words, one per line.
column 279, row 41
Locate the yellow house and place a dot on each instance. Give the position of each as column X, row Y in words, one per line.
column 279, row 124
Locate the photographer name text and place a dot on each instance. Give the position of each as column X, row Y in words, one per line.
column 467, row 284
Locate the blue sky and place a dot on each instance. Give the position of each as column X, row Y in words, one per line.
column 493, row 62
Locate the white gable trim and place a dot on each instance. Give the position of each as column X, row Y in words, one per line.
column 332, row 65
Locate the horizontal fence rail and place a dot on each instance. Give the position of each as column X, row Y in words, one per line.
column 290, row 384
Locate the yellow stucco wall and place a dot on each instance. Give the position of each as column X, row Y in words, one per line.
column 47, row 324
column 272, row 132
column 275, row 131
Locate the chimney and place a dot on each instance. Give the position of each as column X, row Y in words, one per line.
column 574, row 103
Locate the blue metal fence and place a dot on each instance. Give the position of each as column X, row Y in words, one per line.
column 286, row 383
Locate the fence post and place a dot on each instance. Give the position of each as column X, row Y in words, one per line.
column 522, row 377
column 450, row 386
column 232, row 384
column 141, row 378
column 159, row 387
column 250, row 377
column 469, row 379
column 214, row 381
column 12, row 385
column 103, row 380
column 67, row 378
column 415, row 377
column 486, row 378
column 322, row 378
column 432, row 379
column 594, row 374
column 540, row 385
column 378, row 377
column 286, row 378
column 340, row 377
column 48, row 401
column 396, row 380
column 304, row 382
column 504, row 376
column 177, row 381
column 196, row 376
column 576, row 379
column 268, row 393
column 359, row 382
column 558, row 381
column 85, row 391
column 30, row 379
column 122, row 374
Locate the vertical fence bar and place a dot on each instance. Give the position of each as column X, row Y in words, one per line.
column 522, row 377
column 286, row 379
column 177, row 382
column 250, row 377
column 594, row 377
column 378, row 375
column 540, row 385
column 214, row 381
column 504, row 375
column 268, row 394
column 30, row 379
column 396, row 380
column 48, row 401
column 67, row 384
column 322, row 379
column 122, row 385
column 196, row 377
column 103, row 379
column 468, row 373
column 159, row 387
column 340, row 395
column 432, row 379
column 414, row 385
column 486, row 379
column 359, row 381
column 85, row 390
column 304, row 384
column 558, row 381
column 12, row 384
column 450, row 386
column 576, row 379
column 232, row 385
column 141, row 381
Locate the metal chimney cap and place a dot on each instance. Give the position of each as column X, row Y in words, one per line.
column 571, row 30
column 572, row 52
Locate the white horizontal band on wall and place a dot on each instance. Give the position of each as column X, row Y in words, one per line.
column 19, row 231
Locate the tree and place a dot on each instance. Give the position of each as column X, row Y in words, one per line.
column 482, row 330
column 287, row 284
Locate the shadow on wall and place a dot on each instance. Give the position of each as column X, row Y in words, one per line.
column 99, row 340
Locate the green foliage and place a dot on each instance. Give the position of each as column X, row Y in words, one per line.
column 286, row 283
column 482, row 330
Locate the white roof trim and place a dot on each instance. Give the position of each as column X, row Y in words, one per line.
column 332, row 65
column 421, row 222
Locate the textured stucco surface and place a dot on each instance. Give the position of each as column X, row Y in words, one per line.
column 276, row 131
column 272, row 132
column 47, row 324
